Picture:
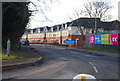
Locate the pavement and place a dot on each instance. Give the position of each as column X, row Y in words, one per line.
column 23, row 64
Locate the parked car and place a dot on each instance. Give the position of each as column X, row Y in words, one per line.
column 25, row 42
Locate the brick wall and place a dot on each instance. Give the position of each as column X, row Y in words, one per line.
column 78, row 40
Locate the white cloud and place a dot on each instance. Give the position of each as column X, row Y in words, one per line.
column 114, row 10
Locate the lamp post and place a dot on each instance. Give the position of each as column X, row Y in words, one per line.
column 95, row 26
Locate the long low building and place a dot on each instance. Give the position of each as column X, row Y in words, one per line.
column 54, row 35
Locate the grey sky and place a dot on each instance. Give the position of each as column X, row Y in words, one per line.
column 59, row 10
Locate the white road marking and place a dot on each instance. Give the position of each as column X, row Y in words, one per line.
column 94, row 67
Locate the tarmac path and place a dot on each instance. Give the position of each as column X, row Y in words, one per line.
column 59, row 63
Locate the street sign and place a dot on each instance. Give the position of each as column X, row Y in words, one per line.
column 84, row 77
column 97, row 39
column 69, row 42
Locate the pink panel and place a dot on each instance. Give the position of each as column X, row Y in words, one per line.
column 91, row 39
column 114, row 39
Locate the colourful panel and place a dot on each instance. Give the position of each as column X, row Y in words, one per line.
column 114, row 39
column 97, row 39
column 91, row 39
column 105, row 39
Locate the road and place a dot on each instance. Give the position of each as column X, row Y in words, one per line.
column 60, row 63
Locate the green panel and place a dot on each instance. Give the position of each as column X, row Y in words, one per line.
column 105, row 39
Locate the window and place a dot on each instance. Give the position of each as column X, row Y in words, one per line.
column 54, row 35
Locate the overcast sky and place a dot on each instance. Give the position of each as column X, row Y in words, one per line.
column 58, row 11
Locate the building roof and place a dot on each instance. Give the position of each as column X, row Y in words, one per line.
column 86, row 22
column 90, row 23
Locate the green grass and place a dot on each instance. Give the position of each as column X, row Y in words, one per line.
column 13, row 56
column 96, row 49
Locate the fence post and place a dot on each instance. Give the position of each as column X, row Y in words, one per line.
column 8, row 47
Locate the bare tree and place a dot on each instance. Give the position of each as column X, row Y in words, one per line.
column 94, row 9
column 97, row 9
column 38, row 8
column 77, row 13
column 107, row 17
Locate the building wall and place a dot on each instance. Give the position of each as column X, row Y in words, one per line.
column 55, row 37
column 78, row 40
column 59, row 37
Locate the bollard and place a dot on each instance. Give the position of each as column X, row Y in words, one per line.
column 8, row 47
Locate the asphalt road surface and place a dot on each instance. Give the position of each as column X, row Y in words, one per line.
column 60, row 63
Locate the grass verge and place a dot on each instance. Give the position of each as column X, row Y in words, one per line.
column 14, row 55
column 25, row 55
column 103, row 50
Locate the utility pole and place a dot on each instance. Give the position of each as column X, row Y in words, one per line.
column 119, row 10
column 95, row 26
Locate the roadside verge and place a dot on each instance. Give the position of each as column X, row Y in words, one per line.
column 97, row 53
column 17, row 66
column 30, row 58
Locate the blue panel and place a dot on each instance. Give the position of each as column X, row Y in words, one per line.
column 97, row 39
column 69, row 41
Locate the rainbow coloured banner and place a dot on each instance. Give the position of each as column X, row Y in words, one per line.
column 108, row 39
